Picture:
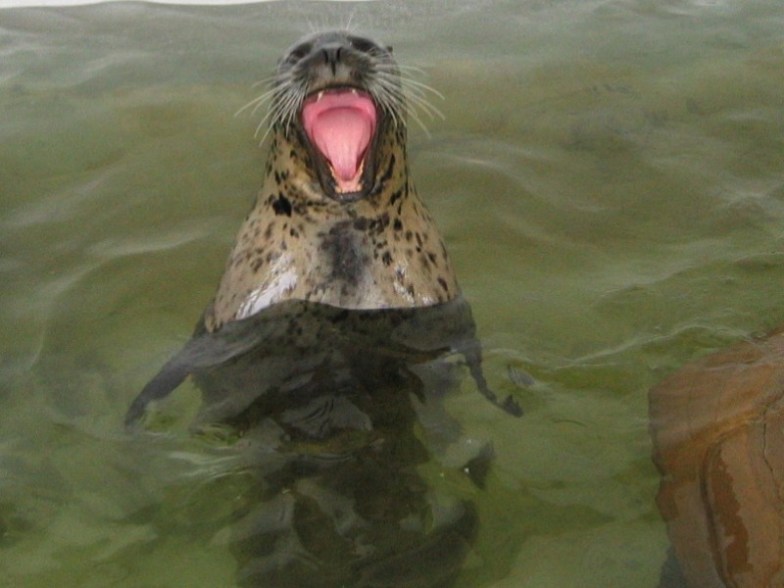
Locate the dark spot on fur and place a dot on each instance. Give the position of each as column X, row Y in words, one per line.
column 442, row 283
column 386, row 258
column 361, row 224
column 398, row 225
column 387, row 174
column 348, row 261
column 282, row 205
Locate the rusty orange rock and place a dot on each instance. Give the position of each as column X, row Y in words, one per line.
column 718, row 432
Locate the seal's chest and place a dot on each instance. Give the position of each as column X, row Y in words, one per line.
column 346, row 254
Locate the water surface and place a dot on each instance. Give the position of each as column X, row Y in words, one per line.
column 608, row 179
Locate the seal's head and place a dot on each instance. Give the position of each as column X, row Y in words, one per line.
column 337, row 95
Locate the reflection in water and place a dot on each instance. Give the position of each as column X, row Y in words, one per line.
column 332, row 399
column 718, row 429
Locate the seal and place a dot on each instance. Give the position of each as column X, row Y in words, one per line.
column 338, row 260
column 327, row 343
column 338, row 220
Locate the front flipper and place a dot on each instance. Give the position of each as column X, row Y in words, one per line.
column 203, row 350
column 163, row 383
column 451, row 326
column 473, row 356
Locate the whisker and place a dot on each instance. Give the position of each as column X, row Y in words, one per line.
column 265, row 81
column 391, row 71
column 257, row 103
column 391, row 103
column 391, row 109
column 427, row 108
column 419, row 122
column 279, row 85
column 264, row 136
column 283, row 100
column 264, row 119
column 348, row 22
column 414, row 95
column 421, row 86
column 412, row 68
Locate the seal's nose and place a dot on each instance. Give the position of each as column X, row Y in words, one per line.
column 332, row 56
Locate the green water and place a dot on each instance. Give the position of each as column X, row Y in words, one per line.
column 608, row 178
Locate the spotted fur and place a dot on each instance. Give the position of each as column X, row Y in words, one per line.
column 377, row 249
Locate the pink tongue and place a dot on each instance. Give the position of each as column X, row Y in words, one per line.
column 341, row 125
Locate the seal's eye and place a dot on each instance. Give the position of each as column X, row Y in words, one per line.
column 300, row 52
column 363, row 45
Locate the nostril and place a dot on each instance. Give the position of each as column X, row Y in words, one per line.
column 332, row 57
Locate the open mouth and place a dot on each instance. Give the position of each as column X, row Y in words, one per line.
column 340, row 124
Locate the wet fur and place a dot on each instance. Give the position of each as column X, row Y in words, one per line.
column 380, row 250
column 383, row 251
